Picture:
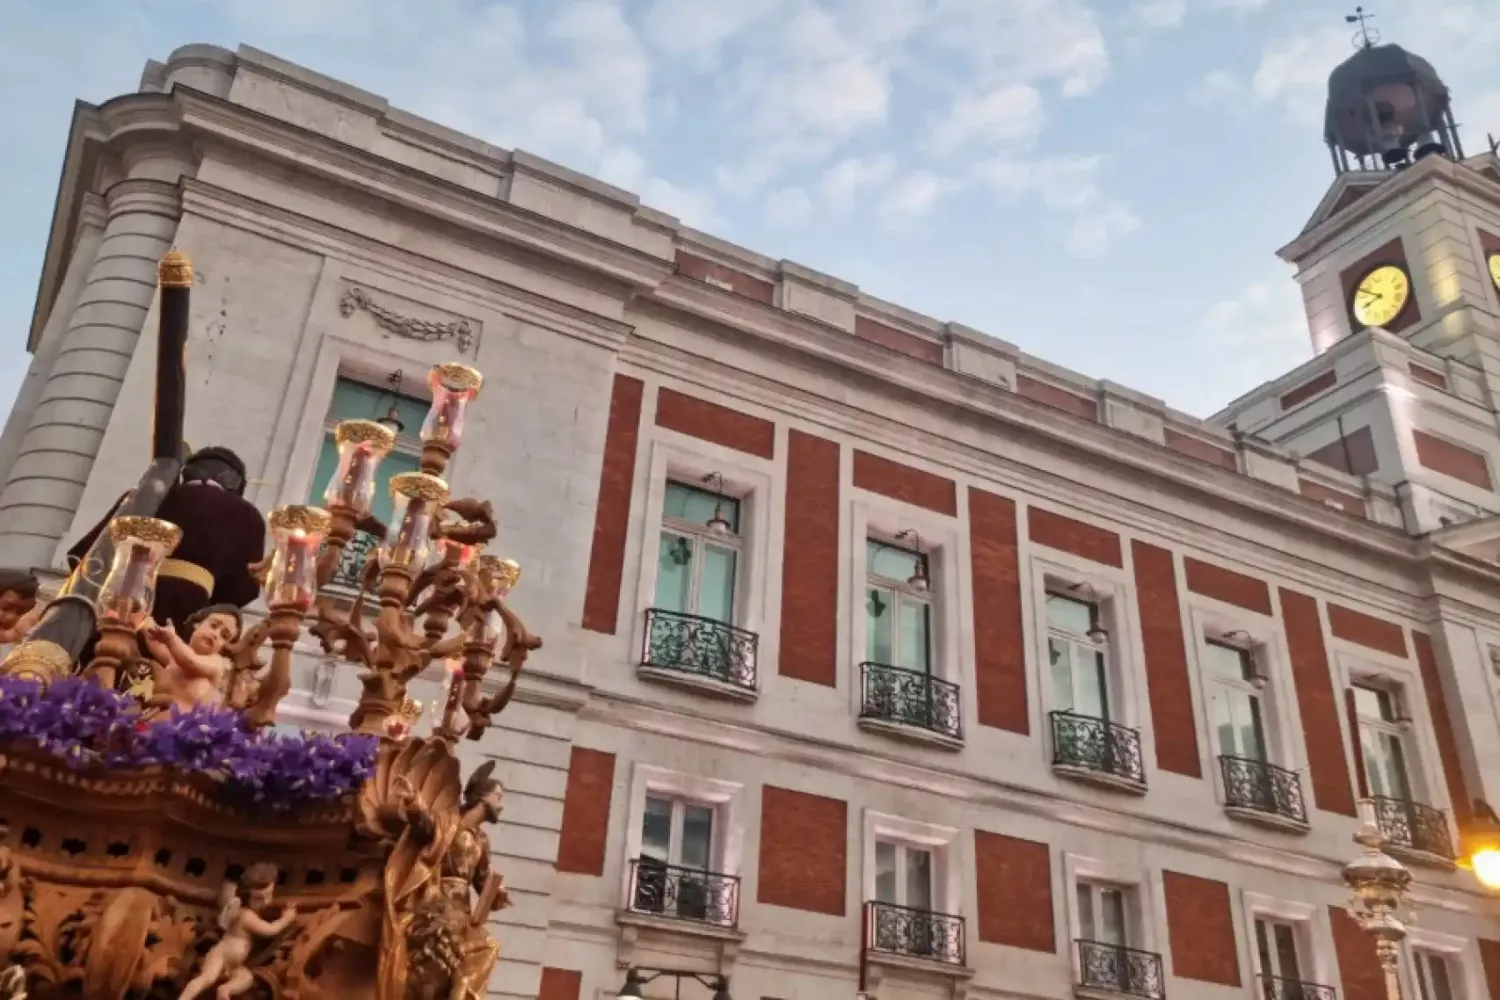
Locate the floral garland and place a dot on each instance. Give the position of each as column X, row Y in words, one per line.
column 84, row 725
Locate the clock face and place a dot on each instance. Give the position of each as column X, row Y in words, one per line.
column 1494, row 262
column 1381, row 295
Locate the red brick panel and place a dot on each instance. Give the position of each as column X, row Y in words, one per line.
column 1013, row 878
column 1207, row 451
column 1442, row 725
column 1228, row 586
column 999, row 639
column 898, row 340
column 585, row 820
column 1360, row 974
column 810, row 562
column 1307, row 390
column 1452, row 460
column 1168, row 688
column 1045, row 392
column 1346, row 502
column 804, row 851
column 1366, row 630
column 1351, row 715
column 1067, row 535
column 560, row 984
column 1427, row 376
column 1200, row 929
column 1354, row 453
column 1327, row 765
column 711, row 422
column 739, row 282
column 902, row 482
column 601, row 598
column 1489, row 958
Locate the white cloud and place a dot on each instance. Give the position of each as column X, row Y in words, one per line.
column 1007, row 113
column 1035, row 40
column 1260, row 332
column 698, row 29
column 625, row 168
column 1068, row 186
column 790, row 207
column 909, row 198
column 847, row 180
column 1158, row 13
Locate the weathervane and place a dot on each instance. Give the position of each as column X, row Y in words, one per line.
column 1366, row 37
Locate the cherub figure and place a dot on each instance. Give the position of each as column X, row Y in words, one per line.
column 242, row 920
column 194, row 671
column 19, row 607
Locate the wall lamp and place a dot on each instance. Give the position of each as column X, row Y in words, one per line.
column 636, row 978
column 918, row 579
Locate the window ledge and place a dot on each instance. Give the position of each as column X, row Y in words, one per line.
column 1100, row 778
column 925, row 966
column 912, row 734
column 1426, row 859
column 693, row 682
column 683, row 928
column 1100, row 993
column 1270, row 820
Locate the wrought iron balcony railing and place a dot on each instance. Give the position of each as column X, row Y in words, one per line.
column 1097, row 745
column 700, row 647
column 901, row 930
column 1414, row 826
column 351, row 565
column 911, row 698
column 1261, row 787
column 1118, row 969
column 1276, row 988
column 664, row 890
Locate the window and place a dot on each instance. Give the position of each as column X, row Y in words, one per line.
column 1382, row 728
column 1076, row 649
column 903, row 875
column 1102, row 910
column 1434, row 975
column 699, row 553
column 675, row 832
column 674, row 874
column 1277, row 951
column 1236, row 701
column 898, row 607
column 357, row 401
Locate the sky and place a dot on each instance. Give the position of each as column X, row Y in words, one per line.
column 1103, row 183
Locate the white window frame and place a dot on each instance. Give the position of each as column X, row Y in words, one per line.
column 1083, row 595
column 1114, row 592
column 1356, row 665
column 942, row 841
column 902, row 589
column 1141, row 909
column 1218, row 685
column 1400, row 728
column 700, row 536
column 946, row 549
column 1314, row 939
column 726, row 798
column 680, row 805
column 750, row 480
column 1465, row 970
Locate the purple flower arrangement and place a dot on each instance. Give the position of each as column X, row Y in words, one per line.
column 85, row 726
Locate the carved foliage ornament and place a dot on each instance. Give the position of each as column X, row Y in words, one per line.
column 408, row 327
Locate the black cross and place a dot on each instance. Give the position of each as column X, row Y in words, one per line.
column 1360, row 18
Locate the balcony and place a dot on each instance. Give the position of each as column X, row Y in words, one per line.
column 911, row 704
column 919, row 934
column 351, row 565
column 700, row 653
column 1097, row 751
column 688, row 894
column 1416, row 832
column 1263, row 793
column 1276, row 988
column 1113, row 970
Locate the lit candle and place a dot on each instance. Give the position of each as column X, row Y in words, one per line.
column 297, row 532
column 142, row 544
column 362, row 444
column 453, row 387
column 417, row 498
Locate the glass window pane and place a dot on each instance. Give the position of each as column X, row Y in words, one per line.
column 656, row 829
column 1227, row 661
column 1372, row 703
column 1369, row 749
column 1287, row 966
column 880, row 616
column 1223, row 721
column 1095, row 687
column 1394, row 764
column 1112, row 912
column 890, row 562
column 885, row 872
column 918, row 879
column 1263, row 949
column 697, row 837
column 696, row 506
column 1252, row 741
column 1060, row 654
column 1437, row 968
column 674, row 573
column 913, row 630
column 357, row 401
column 1069, row 615
column 394, row 463
column 716, row 588
column 1086, row 929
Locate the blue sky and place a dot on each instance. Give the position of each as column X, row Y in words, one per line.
column 1101, row 182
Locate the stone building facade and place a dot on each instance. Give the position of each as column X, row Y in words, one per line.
column 875, row 648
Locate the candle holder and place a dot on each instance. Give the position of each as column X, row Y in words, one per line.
column 453, row 386
column 400, row 725
column 448, row 727
column 291, row 587
column 362, row 446
column 418, row 499
column 125, row 600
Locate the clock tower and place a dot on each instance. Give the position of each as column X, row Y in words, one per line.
column 1399, row 268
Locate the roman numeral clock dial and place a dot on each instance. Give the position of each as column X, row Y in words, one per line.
column 1381, row 295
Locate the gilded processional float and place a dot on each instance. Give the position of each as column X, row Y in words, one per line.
column 159, row 838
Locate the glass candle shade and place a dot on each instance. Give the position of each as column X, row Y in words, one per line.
column 417, row 499
column 297, row 533
column 142, row 544
column 453, row 386
column 362, row 444
column 499, row 575
column 459, row 553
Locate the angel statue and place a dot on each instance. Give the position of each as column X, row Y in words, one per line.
column 242, row 920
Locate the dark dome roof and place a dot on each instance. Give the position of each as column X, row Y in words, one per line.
column 1407, row 89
